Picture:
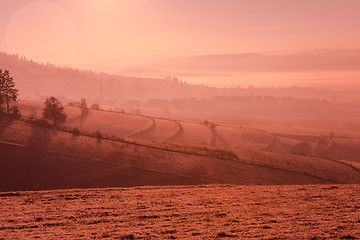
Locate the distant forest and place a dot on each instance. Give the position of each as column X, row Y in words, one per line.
column 37, row 81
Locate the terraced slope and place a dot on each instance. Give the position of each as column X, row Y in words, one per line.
column 242, row 138
column 157, row 129
column 114, row 123
column 33, row 158
column 343, row 148
column 195, row 133
column 230, row 136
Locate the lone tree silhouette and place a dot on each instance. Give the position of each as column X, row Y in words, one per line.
column 8, row 92
column 84, row 110
column 54, row 111
column 83, row 106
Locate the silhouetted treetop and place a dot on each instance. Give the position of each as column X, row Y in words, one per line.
column 54, row 111
column 8, row 92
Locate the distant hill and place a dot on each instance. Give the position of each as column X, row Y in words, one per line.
column 322, row 60
column 35, row 80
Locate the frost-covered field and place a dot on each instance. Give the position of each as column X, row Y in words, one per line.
column 184, row 212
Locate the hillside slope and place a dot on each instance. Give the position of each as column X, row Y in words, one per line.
column 344, row 146
column 34, row 157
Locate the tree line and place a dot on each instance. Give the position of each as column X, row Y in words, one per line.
column 53, row 109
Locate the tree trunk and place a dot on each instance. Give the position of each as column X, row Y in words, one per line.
column 7, row 104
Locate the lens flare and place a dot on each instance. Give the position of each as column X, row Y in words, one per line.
column 51, row 35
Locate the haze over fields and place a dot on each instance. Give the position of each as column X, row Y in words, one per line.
column 243, row 37
column 273, row 78
column 183, row 119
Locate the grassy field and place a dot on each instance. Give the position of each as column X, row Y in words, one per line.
column 184, row 179
column 184, row 212
column 37, row 158
column 267, row 135
column 123, row 150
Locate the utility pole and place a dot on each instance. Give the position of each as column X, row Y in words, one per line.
column 101, row 89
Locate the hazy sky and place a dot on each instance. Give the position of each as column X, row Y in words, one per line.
column 123, row 32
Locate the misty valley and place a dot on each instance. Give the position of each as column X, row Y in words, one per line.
column 98, row 133
column 128, row 142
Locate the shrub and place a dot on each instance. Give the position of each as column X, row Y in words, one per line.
column 98, row 135
column 75, row 131
column 41, row 122
column 95, row 106
column 213, row 125
column 15, row 112
column 32, row 114
column 74, row 104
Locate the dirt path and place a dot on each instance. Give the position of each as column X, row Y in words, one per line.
column 217, row 139
column 179, row 135
column 220, row 140
column 271, row 144
column 144, row 133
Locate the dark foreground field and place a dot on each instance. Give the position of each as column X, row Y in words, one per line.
column 198, row 212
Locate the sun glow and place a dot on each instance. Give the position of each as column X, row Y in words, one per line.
column 44, row 32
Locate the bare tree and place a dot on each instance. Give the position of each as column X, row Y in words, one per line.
column 54, row 111
column 8, row 92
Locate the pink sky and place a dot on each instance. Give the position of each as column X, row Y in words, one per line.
column 98, row 33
